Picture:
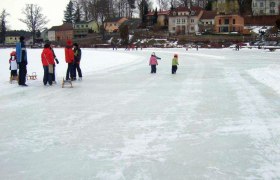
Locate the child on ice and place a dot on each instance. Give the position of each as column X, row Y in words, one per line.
column 153, row 63
column 13, row 66
column 174, row 64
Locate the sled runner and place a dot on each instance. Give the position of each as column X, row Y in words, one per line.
column 66, row 82
column 33, row 76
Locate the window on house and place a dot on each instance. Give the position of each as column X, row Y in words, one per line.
column 261, row 12
column 78, row 26
column 261, row 4
column 233, row 21
column 173, row 28
column 87, row 26
column 272, row 4
column 226, row 21
column 192, row 20
column 82, row 26
column 183, row 21
column 220, row 21
column 178, row 21
column 272, row 11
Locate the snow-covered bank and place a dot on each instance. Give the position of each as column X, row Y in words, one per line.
column 270, row 76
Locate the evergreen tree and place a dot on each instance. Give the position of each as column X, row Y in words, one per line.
column 155, row 17
column 77, row 14
column 124, row 34
column 3, row 27
column 143, row 9
column 69, row 13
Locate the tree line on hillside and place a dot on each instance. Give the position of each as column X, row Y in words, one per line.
column 100, row 11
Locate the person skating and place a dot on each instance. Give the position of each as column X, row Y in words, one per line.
column 22, row 61
column 13, row 66
column 174, row 64
column 77, row 60
column 153, row 63
column 69, row 58
column 48, row 63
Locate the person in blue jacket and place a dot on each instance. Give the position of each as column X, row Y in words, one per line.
column 22, row 61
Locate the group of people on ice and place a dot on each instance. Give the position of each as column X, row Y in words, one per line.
column 153, row 63
column 18, row 60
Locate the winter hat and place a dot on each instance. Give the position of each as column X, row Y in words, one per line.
column 47, row 45
column 13, row 53
column 21, row 38
column 153, row 54
column 75, row 44
column 69, row 42
column 175, row 55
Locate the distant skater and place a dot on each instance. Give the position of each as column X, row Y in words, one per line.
column 175, row 64
column 153, row 63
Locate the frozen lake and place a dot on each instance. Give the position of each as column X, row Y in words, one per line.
column 217, row 118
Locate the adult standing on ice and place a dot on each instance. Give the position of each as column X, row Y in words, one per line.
column 22, row 61
column 153, row 63
column 77, row 60
column 56, row 60
column 69, row 58
column 174, row 64
column 48, row 63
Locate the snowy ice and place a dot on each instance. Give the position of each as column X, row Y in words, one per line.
column 217, row 118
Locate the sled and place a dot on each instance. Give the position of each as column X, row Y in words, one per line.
column 67, row 82
column 13, row 78
column 33, row 76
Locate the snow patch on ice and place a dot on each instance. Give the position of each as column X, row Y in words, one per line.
column 269, row 76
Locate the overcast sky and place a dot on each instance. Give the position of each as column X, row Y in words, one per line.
column 52, row 9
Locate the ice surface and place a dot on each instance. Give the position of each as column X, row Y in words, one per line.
column 217, row 118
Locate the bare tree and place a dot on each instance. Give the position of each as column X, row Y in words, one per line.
column 164, row 4
column 34, row 19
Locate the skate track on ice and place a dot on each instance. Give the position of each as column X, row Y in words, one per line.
column 212, row 120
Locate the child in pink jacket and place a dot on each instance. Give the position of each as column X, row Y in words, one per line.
column 153, row 62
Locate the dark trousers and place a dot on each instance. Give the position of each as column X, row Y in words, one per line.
column 174, row 69
column 53, row 75
column 13, row 73
column 74, row 74
column 153, row 68
column 69, row 71
column 48, row 77
column 22, row 73
column 79, row 70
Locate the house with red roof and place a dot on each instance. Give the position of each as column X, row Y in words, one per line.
column 184, row 20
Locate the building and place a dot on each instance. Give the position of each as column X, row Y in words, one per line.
column 61, row 33
column 12, row 37
column 265, row 7
column 112, row 25
column 183, row 20
column 162, row 19
column 225, row 6
column 207, row 21
column 229, row 24
column 81, row 29
column 93, row 26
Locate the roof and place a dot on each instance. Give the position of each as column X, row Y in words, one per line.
column 18, row 33
column 208, row 15
column 196, row 10
column 151, row 13
column 63, row 27
column 182, row 9
column 114, row 19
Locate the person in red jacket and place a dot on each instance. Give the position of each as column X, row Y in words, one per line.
column 69, row 58
column 48, row 63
